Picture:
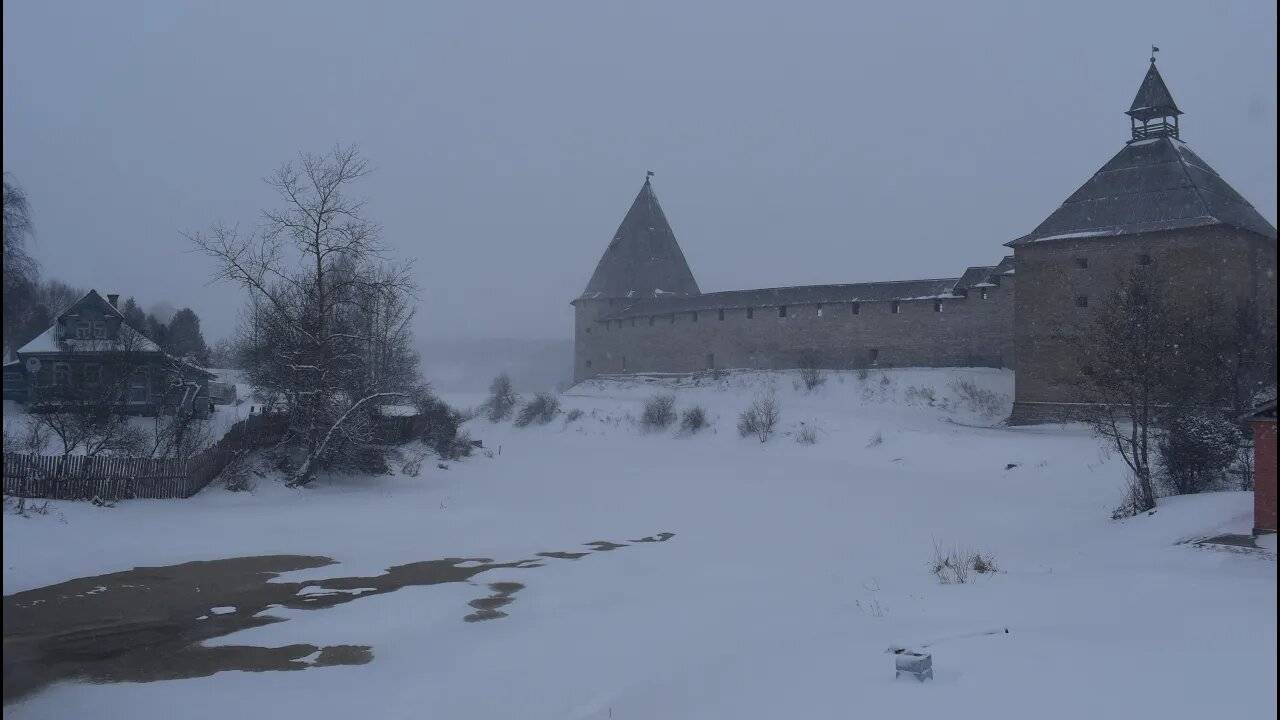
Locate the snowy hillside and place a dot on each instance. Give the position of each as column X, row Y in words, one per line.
column 789, row 569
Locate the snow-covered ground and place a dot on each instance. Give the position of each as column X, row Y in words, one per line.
column 792, row 568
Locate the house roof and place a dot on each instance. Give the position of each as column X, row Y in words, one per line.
column 1150, row 185
column 941, row 288
column 643, row 258
column 1265, row 411
column 127, row 339
column 1153, row 99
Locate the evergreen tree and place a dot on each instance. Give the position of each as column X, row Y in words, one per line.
column 133, row 315
column 184, row 338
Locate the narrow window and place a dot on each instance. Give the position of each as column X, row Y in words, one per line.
column 673, row 318
column 1144, row 259
column 92, row 374
column 874, row 355
column 721, row 314
column 819, row 311
column 1082, row 263
column 854, row 308
column 751, row 312
column 624, row 362
column 983, row 294
column 694, row 316
column 937, row 306
column 782, row 311
column 652, row 320
column 619, row 324
column 61, row 374
column 588, row 330
column 897, row 307
column 137, row 391
column 83, row 330
column 711, row 361
column 100, row 329
column 588, row 363
column 1082, row 301
column 633, row 322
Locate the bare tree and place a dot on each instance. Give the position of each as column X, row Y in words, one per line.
column 20, row 268
column 327, row 330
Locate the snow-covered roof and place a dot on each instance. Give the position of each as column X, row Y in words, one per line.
column 127, row 339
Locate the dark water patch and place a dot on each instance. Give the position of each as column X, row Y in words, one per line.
column 149, row 623
column 604, row 545
column 660, row 537
column 487, row 607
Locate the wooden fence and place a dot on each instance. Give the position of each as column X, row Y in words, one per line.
column 77, row 477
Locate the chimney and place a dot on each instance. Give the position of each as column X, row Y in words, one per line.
column 113, row 298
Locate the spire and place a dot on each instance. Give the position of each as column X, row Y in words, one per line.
column 643, row 259
column 1153, row 102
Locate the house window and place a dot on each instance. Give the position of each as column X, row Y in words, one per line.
column 633, row 322
column 588, row 331
column 819, row 310
column 782, row 311
column 854, row 308
column 588, row 363
column 1082, row 263
column 984, row 295
column 874, row 355
column 673, row 318
column 92, row 374
column 1144, row 259
column 624, row 362
column 721, row 314
column 84, row 329
column 937, row 306
column 1082, row 301
column 711, row 361
column 652, row 320
column 896, row 308
column 44, row 378
column 100, row 329
column 61, row 374
column 694, row 316
column 751, row 312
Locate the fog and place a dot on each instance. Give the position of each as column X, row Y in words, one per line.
column 832, row 142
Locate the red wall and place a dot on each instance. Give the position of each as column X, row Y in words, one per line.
column 1264, row 478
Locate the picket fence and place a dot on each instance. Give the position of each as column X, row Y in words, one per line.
column 77, row 477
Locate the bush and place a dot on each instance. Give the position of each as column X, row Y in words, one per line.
column 807, row 435
column 659, row 412
column 926, row 394
column 876, row 440
column 811, row 372
column 573, row 416
column 760, row 419
column 1197, row 451
column 502, row 399
column 437, row 425
column 954, row 566
column 978, row 399
column 863, row 374
column 693, row 420
column 542, row 409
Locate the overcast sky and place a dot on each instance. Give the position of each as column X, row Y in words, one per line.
column 793, row 143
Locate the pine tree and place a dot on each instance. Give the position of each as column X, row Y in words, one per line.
column 184, row 337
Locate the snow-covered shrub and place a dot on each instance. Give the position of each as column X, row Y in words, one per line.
column 876, row 440
column 1134, row 503
column 811, row 372
column 693, row 419
column 573, row 416
column 237, row 475
column 502, row 399
column 975, row 398
column 542, row 409
column 807, row 435
column 1196, row 451
column 924, row 394
column 659, row 412
column 954, row 566
column 863, row 374
column 439, row 427
column 761, row 418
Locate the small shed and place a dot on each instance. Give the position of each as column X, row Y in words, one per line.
column 1263, row 421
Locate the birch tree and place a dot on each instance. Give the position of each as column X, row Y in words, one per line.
column 327, row 325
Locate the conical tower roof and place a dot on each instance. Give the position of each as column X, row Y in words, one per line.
column 1150, row 185
column 1153, row 99
column 643, row 259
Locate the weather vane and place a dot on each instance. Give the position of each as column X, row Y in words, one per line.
column 1154, row 50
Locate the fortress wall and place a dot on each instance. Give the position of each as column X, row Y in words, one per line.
column 968, row 332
